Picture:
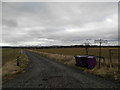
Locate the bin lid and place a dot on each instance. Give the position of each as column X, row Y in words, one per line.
column 91, row 57
column 81, row 56
column 86, row 56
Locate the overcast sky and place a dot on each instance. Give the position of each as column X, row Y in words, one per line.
column 60, row 23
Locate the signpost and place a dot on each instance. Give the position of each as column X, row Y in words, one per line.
column 100, row 41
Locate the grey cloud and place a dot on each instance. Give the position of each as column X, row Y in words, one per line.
column 9, row 23
column 30, row 21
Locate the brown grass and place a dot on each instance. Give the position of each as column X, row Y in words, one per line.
column 9, row 54
column 9, row 67
column 66, row 56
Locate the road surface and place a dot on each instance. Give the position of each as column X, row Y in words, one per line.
column 45, row 73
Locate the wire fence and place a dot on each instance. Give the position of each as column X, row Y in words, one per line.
column 114, row 58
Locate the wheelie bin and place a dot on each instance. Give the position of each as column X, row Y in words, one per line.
column 86, row 61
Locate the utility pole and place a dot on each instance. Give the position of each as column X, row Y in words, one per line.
column 86, row 46
column 100, row 41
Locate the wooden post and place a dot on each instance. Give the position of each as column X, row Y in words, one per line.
column 99, row 54
column 86, row 50
column 118, row 61
column 17, row 61
column 110, row 58
column 86, row 46
column 104, row 61
column 100, row 41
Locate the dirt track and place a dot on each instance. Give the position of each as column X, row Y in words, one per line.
column 45, row 73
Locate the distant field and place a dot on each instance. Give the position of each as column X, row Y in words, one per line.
column 9, row 54
column 81, row 51
column 0, row 57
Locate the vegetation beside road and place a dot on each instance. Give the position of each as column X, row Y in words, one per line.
column 66, row 56
column 9, row 63
column 63, row 55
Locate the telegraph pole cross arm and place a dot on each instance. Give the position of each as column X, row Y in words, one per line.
column 100, row 41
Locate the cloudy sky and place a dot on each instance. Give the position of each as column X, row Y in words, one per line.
column 58, row 23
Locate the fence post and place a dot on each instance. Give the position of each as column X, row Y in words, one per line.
column 100, row 54
column 104, row 62
column 110, row 58
column 118, row 61
column 17, row 61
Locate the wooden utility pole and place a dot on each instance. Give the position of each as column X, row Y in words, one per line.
column 86, row 46
column 100, row 41
column 100, row 53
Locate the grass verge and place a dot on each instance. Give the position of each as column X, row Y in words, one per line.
column 9, row 68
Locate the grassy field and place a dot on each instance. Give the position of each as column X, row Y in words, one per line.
column 0, row 57
column 9, row 54
column 66, row 56
column 9, row 66
column 81, row 51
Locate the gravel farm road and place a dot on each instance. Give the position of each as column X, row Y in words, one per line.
column 45, row 73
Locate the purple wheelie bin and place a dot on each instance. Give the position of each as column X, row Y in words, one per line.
column 86, row 61
column 80, row 60
column 91, row 62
